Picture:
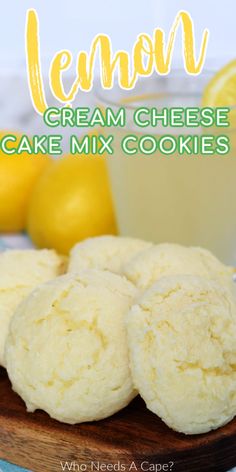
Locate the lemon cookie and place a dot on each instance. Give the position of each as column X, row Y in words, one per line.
column 105, row 252
column 172, row 259
column 67, row 352
column 20, row 272
column 182, row 340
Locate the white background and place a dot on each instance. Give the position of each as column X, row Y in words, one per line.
column 73, row 23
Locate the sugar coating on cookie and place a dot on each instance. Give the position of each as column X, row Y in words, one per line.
column 105, row 253
column 20, row 272
column 182, row 340
column 67, row 351
column 162, row 260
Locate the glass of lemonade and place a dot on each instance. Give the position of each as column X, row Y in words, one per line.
column 186, row 199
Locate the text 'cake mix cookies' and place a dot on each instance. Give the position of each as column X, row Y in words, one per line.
column 67, row 352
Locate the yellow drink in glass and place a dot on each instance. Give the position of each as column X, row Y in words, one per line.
column 189, row 200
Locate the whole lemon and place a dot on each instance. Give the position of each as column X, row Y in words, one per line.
column 71, row 201
column 18, row 174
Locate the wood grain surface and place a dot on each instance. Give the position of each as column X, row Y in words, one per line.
column 132, row 440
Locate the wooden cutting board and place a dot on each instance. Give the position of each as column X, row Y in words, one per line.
column 131, row 440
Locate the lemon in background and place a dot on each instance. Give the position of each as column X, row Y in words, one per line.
column 71, row 201
column 18, row 174
column 221, row 90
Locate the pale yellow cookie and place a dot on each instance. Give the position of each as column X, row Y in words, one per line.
column 105, row 252
column 67, row 351
column 165, row 259
column 182, row 341
column 20, row 272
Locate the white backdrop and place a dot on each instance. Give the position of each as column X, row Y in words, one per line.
column 73, row 23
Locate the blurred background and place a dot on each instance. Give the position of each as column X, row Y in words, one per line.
column 73, row 24
column 87, row 203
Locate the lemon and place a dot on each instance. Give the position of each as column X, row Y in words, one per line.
column 221, row 90
column 71, row 201
column 18, row 174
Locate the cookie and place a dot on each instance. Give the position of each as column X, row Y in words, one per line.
column 182, row 341
column 67, row 351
